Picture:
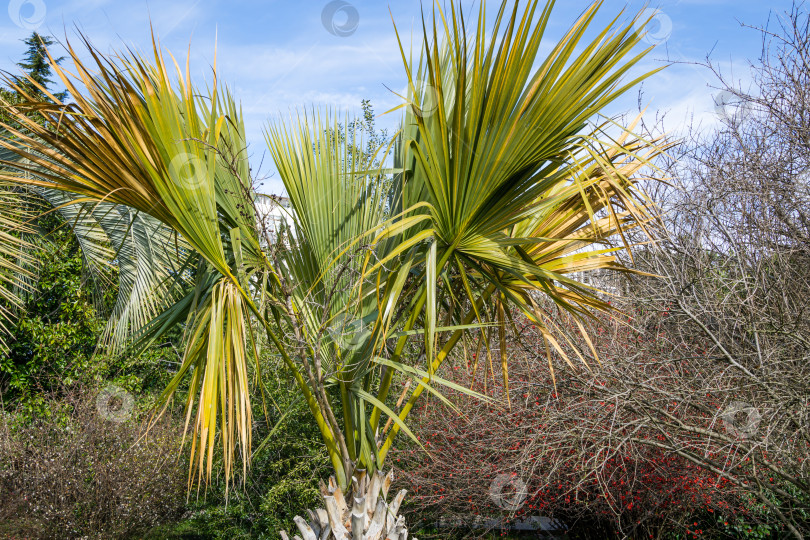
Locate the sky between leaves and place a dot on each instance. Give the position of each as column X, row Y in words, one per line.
column 279, row 55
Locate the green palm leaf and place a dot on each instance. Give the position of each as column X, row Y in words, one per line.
column 17, row 255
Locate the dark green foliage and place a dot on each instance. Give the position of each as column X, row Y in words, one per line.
column 282, row 482
column 37, row 66
column 54, row 339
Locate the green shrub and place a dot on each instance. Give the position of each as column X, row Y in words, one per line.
column 282, row 482
column 52, row 344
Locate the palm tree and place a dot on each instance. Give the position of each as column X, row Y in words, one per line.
column 502, row 182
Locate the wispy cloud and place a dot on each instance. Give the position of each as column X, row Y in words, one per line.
column 277, row 56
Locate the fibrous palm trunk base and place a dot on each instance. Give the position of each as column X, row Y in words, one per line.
column 362, row 515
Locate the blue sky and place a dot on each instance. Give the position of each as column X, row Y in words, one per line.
column 278, row 55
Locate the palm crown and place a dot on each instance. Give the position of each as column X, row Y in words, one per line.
column 500, row 185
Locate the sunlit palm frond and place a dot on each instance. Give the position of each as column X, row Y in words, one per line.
column 216, row 358
column 172, row 161
column 138, row 136
column 17, row 255
column 335, row 202
column 509, row 154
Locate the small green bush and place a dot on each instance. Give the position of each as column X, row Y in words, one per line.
column 52, row 343
column 282, row 482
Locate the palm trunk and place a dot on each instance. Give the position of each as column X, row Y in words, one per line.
column 363, row 514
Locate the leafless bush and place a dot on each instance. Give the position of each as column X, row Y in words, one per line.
column 734, row 263
column 581, row 451
column 76, row 473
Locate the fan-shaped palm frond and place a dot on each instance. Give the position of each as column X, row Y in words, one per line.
column 157, row 162
column 16, row 254
column 498, row 146
column 153, row 262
